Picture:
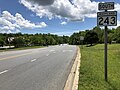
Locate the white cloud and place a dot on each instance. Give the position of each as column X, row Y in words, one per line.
column 6, row 29
column 75, row 11
column 63, row 23
column 26, row 23
column 15, row 23
column 41, row 2
column 66, row 33
column 118, row 23
column 117, row 8
column 64, row 9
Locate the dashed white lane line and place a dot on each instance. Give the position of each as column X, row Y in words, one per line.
column 51, row 50
column 47, row 54
column 33, row 60
column 67, row 50
column 3, row 72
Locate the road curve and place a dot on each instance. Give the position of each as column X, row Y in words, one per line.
column 36, row 69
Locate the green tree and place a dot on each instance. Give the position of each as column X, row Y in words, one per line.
column 100, row 33
column 18, row 42
column 2, row 40
column 117, row 34
column 75, row 39
column 91, row 37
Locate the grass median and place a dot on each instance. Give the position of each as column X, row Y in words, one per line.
column 92, row 68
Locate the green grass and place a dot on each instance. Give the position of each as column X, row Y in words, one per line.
column 21, row 48
column 92, row 68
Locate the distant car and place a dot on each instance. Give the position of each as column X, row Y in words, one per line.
column 63, row 44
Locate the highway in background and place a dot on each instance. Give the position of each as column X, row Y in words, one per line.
column 36, row 69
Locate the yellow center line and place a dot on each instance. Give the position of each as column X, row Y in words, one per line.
column 14, row 56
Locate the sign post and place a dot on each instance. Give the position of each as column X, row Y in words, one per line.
column 81, row 39
column 106, row 18
column 105, row 53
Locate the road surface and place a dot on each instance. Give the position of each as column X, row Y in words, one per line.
column 36, row 69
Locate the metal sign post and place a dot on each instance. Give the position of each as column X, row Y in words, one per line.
column 107, row 18
column 105, row 54
column 81, row 39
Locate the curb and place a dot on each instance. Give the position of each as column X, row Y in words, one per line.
column 73, row 78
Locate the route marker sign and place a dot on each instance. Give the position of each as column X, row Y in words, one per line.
column 106, row 6
column 81, row 38
column 108, row 18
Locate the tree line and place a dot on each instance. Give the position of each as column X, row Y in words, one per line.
column 22, row 40
column 93, row 36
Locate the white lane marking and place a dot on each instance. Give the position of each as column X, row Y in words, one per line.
column 67, row 50
column 33, row 60
column 42, row 49
column 51, row 50
column 47, row 54
column 54, row 52
column 4, row 71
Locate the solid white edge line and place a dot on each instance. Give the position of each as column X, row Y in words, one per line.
column 4, row 71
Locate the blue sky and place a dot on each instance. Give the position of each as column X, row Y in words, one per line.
column 62, row 18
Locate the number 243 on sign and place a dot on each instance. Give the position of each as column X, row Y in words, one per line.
column 107, row 21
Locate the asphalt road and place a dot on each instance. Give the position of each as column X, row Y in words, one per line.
column 36, row 69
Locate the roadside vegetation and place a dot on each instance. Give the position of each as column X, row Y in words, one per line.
column 91, row 37
column 19, row 40
column 95, row 35
column 92, row 68
column 92, row 65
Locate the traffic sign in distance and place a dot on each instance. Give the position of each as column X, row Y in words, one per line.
column 106, row 6
column 107, row 18
column 81, row 38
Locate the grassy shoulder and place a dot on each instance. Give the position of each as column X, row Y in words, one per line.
column 20, row 48
column 92, row 68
